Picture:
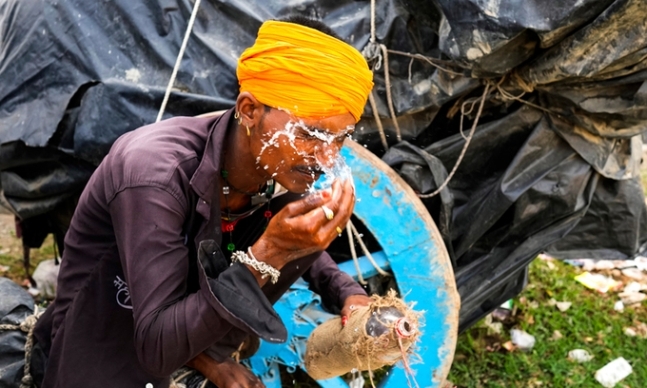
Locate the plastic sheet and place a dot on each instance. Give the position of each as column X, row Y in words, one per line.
column 77, row 75
column 553, row 165
column 15, row 306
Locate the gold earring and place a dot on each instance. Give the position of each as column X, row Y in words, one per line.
column 248, row 132
column 237, row 117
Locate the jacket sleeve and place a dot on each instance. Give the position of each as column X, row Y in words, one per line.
column 171, row 326
column 326, row 279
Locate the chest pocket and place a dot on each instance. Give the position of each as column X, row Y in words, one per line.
column 208, row 252
column 212, row 259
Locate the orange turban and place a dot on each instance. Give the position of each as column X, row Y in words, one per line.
column 304, row 71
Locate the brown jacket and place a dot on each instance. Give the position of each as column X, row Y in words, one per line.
column 144, row 285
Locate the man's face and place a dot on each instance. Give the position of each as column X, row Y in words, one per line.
column 295, row 151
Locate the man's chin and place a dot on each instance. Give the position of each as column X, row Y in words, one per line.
column 297, row 188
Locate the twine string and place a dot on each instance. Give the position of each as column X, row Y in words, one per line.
column 176, row 68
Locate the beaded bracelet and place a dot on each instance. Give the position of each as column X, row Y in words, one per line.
column 263, row 268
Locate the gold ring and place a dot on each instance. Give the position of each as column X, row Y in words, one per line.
column 327, row 212
column 339, row 230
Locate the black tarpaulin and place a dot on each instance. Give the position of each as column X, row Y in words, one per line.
column 15, row 306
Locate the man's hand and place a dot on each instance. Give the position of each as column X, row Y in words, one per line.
column 351, row 304
column 226, row 374
column 302, row 228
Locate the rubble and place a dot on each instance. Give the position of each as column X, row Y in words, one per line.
column 613, row 372
column 561, row 306
column 557, row 335
column 598, row 282
column 579, row 355
column 522, row 340
column 629, row 298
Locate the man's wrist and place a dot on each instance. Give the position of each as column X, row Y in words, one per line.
column 202, row 363
column 264, row 253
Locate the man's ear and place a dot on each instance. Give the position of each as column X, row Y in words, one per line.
column 251, row 110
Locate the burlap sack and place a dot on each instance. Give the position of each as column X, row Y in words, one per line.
column 333, row 350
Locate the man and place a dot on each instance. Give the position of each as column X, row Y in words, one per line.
column 181, row 242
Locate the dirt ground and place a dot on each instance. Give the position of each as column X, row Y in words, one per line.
column 9, row 244
column 10, row 249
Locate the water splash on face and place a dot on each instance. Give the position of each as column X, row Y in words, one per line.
column 296, row 130
column 338, row 170
column 288, row 134
column 274, row 141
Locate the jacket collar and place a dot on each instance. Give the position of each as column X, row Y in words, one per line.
column 205, row 178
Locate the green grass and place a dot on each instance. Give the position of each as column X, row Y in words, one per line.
column 591, row 324
column 13, row 259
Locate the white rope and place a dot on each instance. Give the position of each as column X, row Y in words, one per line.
column 378, row 121
column 182, row 376
column 367, row 253
column 26, row 326
column 389, row 97
column 353, row 253
column 429, row 60
column 372, row 52
column 410, row 71
column 380, row 54
column 171, row 82
column 377, row 52
column 467, row 141
column 372, row 21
